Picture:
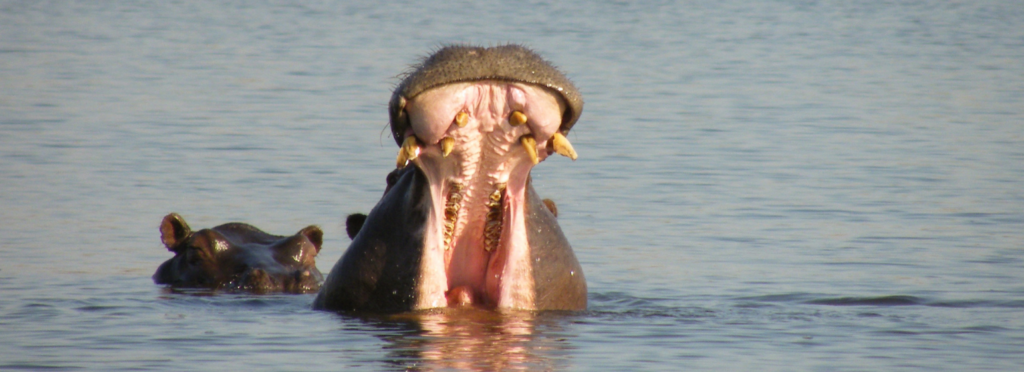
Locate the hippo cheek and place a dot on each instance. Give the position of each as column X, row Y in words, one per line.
column 461, row 224
column 304, row 281
column 257, row 281
column 275, row 278
column 288, row 265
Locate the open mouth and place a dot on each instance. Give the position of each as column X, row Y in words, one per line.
column 476, row 143
column 460, row 224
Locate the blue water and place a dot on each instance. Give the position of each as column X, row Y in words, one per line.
column 767, row 185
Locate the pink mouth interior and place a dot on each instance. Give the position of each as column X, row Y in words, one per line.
column 475, row 241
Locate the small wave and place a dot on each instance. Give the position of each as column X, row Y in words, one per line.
column 907, row 300
column 782, row 297
column 1013, row 304
column 617, row 305
column 624, row 301
column 894, row 300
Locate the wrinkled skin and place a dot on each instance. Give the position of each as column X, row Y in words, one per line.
column 239, row 257
column 460, row 223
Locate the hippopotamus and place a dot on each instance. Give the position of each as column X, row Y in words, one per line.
column 459, row 223
column 239, row 257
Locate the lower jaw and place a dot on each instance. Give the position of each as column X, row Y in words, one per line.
column 468, row 263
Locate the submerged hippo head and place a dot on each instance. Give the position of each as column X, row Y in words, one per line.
column 239, row 257
column 460, row 223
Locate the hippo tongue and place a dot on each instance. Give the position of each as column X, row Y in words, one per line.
column 476, row 143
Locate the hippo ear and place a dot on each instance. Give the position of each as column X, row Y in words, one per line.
column 315, row 236
column 173, row 230
column 354, row 223
column 391, row 179
column 551, row 206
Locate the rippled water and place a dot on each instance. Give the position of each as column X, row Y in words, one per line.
column 777, row 185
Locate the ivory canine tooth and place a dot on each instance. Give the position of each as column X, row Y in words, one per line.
column 409, row 151
column 461, row 119
column 447, row 144
column 530, row 144
column 517, row 118
column 562, row 146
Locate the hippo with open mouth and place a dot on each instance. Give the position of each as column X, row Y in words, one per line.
column 239, row 257
column 460, row 223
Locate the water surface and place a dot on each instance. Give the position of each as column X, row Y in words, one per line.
column 777, row 185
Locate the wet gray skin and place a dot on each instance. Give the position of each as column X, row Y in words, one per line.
column 460, row 223
column 239, row 257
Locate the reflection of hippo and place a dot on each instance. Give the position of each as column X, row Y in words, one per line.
column 463, row 225
column 239, row 257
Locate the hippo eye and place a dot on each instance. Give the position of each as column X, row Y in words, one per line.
column 192, row 257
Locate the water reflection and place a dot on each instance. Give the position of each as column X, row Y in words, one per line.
column 479, row 340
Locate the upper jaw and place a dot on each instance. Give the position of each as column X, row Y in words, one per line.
column 456, row 64
column 480, row 124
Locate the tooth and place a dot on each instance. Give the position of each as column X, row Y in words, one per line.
column 517, row 118
column 562, row 146
column 461, row 119
column 447, row 144
column 492, row 228
column 409, row 151
column 530, row 145
column 451, row 212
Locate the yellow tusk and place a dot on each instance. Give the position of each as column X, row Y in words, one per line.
column 517, row 118
column 530, row 144
column 409, row 151
column 447, row 144
column 461, row 119
column 562, row 146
